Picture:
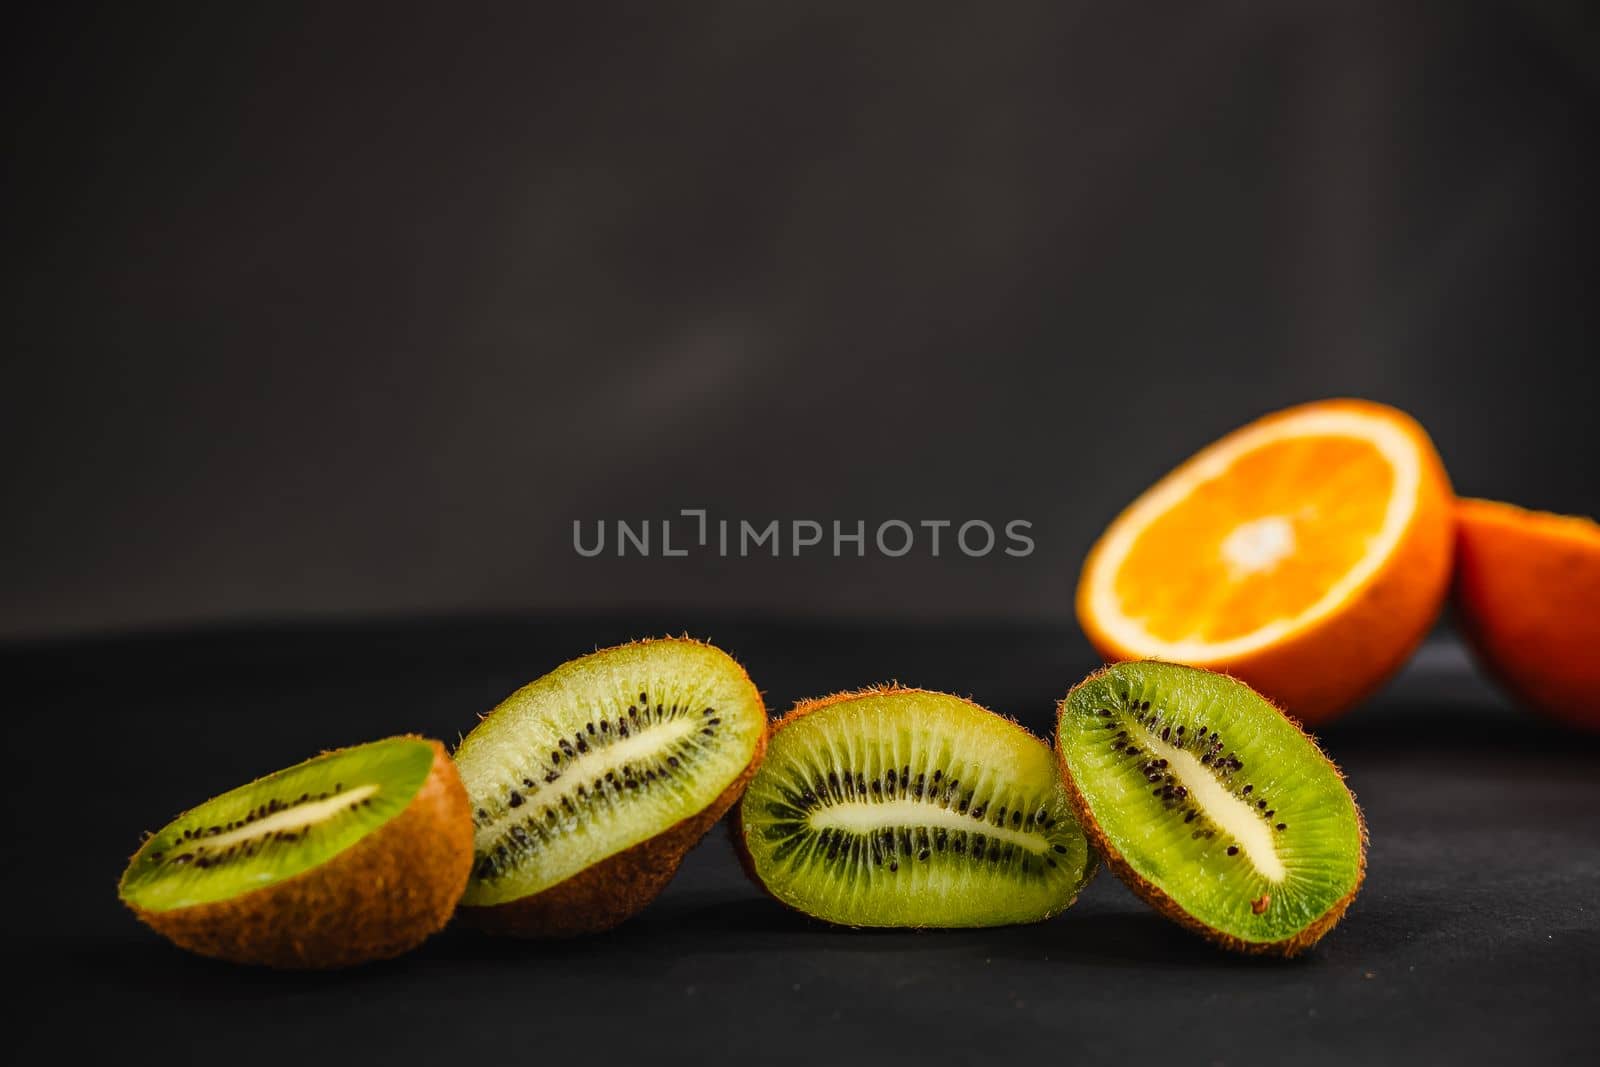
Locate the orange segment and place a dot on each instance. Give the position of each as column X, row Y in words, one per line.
column 1307, row 553
column 1260, row 542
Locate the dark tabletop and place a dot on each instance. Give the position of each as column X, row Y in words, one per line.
column 1475, row 938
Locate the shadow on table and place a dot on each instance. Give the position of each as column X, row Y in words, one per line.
column 1395, row 726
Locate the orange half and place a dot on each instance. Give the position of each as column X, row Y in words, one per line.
column 1306, row 553
column 1528, row 591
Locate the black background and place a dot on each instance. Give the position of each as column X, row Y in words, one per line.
column 322, row 327
column 355, row 310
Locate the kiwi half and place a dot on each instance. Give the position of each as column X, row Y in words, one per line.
column 356, row 855
column 590, row 784
column 1212, row 805
column 903, row 807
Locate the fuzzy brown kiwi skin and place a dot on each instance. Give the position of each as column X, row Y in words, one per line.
column 1154, row 896
column 806, row 707
column 602, row 897
column 380, row 897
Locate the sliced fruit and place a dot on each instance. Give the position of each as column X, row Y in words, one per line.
column 589, row 785
column 1211, row 805
column 1307, row 553
column 1528, row 594
column 356, row 855
column 901, row 807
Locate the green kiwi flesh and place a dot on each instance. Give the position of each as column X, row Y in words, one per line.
column 357, row 854
column 275, row 828
column 589, row 784
column 1211, row 804
column 902, row 807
